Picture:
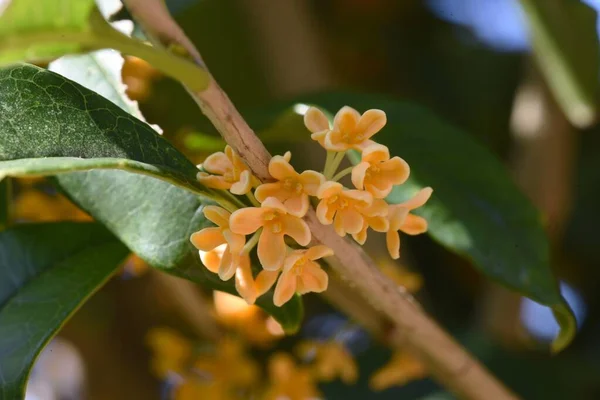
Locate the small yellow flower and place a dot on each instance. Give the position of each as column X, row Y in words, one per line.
column 292, row 188
column 401, row 220
column 171, row 351
column 301, row 274
column 375, row 217
column 287, row 381
column 352, row 130
column 227, row 171
column 342, row 207
column 276, row 222
column 208, row 239
column 317, row 123
column 331, row 360
column 377, row 173
column 402, row 369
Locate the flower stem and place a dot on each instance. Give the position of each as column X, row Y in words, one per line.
column 252, row 242
column 335, row 164
column 342, row 174
column 253, row 200
column 328, row 161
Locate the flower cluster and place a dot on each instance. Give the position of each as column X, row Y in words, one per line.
column 278, row 208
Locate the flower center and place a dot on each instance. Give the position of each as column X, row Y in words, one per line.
column 229, row 176
column 273, row 221
column 299, row 265
column 292, row 185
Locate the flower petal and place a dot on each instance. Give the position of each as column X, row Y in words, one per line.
column 297, row 205
column 285, row 289
column 392, row 240
column 280, row 168
column 264, row 281
column 414, row 225
column 371, row 122
column 338, row 225
column 211, row 259
column 378, row 224
column 244, row 281
column 361, row 146
column 376, row 153
column 207, row 238
column 297, row 229
column 396, row 170
column 320, row 251
column 217, row 163
column 315, row 120
column 313, row 279
column 419, row 199
column 271, row 190
column 217, row 215
column 273, row 203
column 291, row 259
column 246, row 220
column 379, row 191
column 346, row 120
column 213, row 181
column 244, row 185
column 227, row 266
column 329, row 189
column 358, row 174
column 364, row 199
column 325, row 212
column 361, row 237
column 311, row 181
column 236, row 242
column 396, row 215
column 271, row 250
column 352, row 220
column 334, row 141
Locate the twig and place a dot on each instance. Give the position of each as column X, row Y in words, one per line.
column 448, row 362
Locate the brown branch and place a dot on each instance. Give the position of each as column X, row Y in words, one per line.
column 448, row 362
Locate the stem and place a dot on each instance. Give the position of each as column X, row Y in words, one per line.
column 448, row 362
column 337, row 159
column 252, row 242
column 253, row 200
column 328, row 161
column 342, row 174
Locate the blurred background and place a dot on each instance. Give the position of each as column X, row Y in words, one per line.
column 470, row 62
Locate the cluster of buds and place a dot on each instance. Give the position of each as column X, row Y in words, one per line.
column 279, row 206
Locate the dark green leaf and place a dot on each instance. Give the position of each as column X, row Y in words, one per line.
column 5, row 202
column 68, row 127
column 566, row 46
column 46, row 272
column 476, row 209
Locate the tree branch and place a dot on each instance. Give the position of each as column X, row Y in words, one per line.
column 448, row 361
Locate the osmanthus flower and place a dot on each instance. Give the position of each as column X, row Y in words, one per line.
column 227, row 171
column 352, row 131
column 209, row 239
column 247, row 286
column 291, row 188
column 301, row 274
column 375, row 217
column 342, row 207
column 401, row 220
column 331, row 360
column 170, row 351
column 377, row 173
column 317, row 123
column 276, row 222
column 402, row 369
column 288, row 381
column 223, row 374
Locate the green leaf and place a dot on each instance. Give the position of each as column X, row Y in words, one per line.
column 46, row 272
column 65, row 126
column 41, row 30
column 152, row 217
column 5, row 202
column 476, row 209
column 566, row 46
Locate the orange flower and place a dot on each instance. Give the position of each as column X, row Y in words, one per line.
column 402, row 369
column 227, row 171
column 375, row 217
column 318, row 124
column 249, row 288
column 287, row 381
column 208, row 239
column 401, row 220
column 273, row 217
column 342, row 207
column 331, row 360
column 301, row 274
column 377, row 173
column 171, row 351
column 293, row 188
column 353, row 131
